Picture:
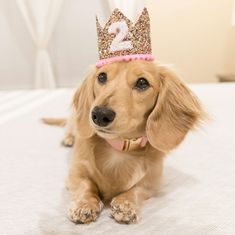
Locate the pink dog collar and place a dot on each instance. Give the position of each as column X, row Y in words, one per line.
column 124, row 145
column 147, row 57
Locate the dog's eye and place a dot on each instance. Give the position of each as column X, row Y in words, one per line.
column 141, row 84
column 102, row 78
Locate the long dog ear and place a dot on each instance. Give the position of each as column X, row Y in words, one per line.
column 177, row 111
column 82, row 102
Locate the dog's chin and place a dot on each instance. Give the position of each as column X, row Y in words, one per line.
column 106, row 135
column 109, row 133
column 113, row 135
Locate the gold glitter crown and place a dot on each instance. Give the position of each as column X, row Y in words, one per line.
column 121, row 37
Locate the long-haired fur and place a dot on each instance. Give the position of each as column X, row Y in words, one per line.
column 165, row 113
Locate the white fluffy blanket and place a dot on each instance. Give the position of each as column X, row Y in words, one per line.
column 197, row 195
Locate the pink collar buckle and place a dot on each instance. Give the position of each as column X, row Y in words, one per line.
column 125, row 145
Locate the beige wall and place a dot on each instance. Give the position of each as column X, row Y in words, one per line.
column 230, row 52
column 193, row 35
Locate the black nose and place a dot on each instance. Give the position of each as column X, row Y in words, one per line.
column 102, row 116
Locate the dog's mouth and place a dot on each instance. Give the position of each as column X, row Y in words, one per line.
column 106, row 133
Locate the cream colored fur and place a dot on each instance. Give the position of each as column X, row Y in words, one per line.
column 165, row 112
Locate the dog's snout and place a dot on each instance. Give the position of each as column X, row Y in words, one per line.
column 102, row 116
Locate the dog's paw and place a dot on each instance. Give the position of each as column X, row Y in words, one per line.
column 123, row 211
column 85, row 212
column 68, row 140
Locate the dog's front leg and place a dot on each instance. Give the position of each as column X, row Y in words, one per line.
column 86, row 204
column 125, row 206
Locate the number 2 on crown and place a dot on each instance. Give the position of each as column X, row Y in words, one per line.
column 121, row 30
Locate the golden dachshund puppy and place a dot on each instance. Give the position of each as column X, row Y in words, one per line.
column 126, row 117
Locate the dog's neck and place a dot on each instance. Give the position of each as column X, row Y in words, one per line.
column 125, row 145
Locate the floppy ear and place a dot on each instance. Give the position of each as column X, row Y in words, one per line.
column 82, row 102
column 177, row 110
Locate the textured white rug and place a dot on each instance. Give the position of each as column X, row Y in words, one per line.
column 198, row 191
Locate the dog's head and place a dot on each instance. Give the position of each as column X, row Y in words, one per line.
column 133, row 99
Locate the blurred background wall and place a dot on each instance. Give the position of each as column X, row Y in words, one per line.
column 196, row 37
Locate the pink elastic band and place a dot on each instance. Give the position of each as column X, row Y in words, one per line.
column 147, row 57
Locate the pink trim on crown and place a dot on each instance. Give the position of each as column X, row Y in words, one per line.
column 103, row 62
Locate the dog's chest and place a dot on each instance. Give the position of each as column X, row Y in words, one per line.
column 120, row 170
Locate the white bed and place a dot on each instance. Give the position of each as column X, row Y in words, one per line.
column 197, row 195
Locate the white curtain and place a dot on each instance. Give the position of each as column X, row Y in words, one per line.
column 131, row 8
column 40, row 17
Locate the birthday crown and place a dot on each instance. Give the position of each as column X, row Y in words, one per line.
column 122, row 40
